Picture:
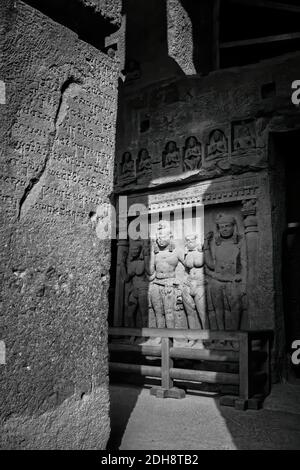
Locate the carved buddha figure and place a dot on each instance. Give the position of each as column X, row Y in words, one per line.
column 244, row 138
column 217, row 145
column 193, row 292
column 192, row 157
column 171, row 155
column 143, row 162
column 165, row 292
column 225, row 261
column 127, row 165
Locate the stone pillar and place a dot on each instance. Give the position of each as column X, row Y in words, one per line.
column 57, row 167
column 251, row 236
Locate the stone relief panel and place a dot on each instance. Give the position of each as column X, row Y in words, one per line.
column 231, row 140
column 195, row 277
column 211, row 153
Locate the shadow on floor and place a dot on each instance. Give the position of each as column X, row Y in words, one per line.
column 122, row 403
column 140, row 421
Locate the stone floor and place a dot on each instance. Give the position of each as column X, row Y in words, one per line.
column 141, row 421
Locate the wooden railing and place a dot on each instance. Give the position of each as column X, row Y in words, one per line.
column 252, row 355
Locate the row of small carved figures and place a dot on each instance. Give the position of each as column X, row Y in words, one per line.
column 191, row 156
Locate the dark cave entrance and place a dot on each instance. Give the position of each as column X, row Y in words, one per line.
column 286, row 232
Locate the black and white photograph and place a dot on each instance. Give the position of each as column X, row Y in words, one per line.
column 150, row 228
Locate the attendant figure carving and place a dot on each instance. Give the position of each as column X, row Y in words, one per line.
column 136, row 286
column 165, row 289
column 193, row 292
column 225, row 260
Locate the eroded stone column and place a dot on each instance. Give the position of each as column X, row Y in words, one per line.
column 251, row 236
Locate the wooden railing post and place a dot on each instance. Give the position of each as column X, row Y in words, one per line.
column 167, row 390
column 166, row 364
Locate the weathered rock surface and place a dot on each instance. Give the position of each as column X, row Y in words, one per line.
column 109, row 8
column 57, row 142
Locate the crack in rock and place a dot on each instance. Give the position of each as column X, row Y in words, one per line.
column 69, row 90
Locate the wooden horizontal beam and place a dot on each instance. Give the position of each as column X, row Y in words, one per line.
column 186, row 334
column 178, row 353
column 174, row 333
column 269, row 4
column 181, row 374
column 261, row 40
column 205, row 376
column 151, row 371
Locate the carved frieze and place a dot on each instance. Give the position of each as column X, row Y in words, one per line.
column 214, row 152
column 208, row 192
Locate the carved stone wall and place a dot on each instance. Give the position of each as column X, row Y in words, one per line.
column 223, row 117
column 207, row 141
column 180, row 36
column 57, row 150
